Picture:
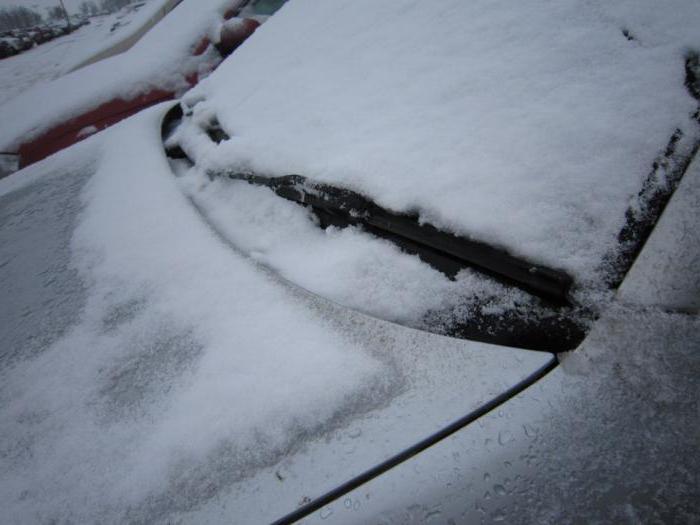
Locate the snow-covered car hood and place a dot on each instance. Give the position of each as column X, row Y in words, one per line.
column 148, row 368
column 161, row 59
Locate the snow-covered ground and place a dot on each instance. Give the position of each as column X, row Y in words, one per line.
column 59, row 56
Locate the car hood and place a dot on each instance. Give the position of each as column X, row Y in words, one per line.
column 150, row 368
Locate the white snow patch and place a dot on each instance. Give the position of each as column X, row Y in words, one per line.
column 347, row 265
column 186, row 353
column 529, row 126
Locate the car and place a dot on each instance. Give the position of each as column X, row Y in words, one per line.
column 7, row 49
column 436, row 263
column 23, row 41
column 105, row 97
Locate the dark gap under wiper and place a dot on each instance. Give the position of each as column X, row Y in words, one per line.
column 445, row 251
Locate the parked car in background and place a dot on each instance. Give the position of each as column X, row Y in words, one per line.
column 18, row 40
column 7, row 47
column 98, row 96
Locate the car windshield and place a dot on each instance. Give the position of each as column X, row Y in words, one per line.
column 551, row 147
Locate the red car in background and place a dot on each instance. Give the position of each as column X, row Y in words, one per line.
column 237, row 22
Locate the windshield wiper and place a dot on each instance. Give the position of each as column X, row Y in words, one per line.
column 446, row 251
column 546, row 322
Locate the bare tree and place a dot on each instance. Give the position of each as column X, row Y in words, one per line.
column 89, row 8
column 55, row 13
column 18, row 17
column 113, row 5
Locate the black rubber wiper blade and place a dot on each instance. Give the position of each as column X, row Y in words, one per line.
column 341, row 206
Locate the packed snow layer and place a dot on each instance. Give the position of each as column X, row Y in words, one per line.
column 161, row 59
column 346, row 265
column 149, row 370
column 59, row 56
column 225, row 357
column 529, row 126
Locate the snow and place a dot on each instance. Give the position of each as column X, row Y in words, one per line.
column 159, row 60
column 530, row 127
column 167, row 372
column 87, row 131
column 57, row 57
column 162, row 292
column 157, row 371
column 346, row 265
column 71, row 5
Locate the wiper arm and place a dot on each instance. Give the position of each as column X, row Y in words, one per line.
column 450, row 252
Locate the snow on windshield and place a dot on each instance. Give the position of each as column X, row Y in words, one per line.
column 160, row 59
column 528, row 126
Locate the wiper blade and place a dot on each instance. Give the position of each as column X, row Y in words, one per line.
column 446, row 251
column 542, row 326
